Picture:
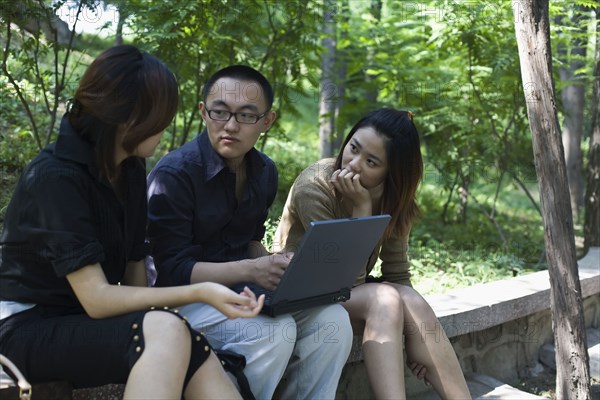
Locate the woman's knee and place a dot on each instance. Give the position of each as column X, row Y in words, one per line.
column 407, row 293
column 416, row 308
column 385, row 299
column 374, row 300
column 165, row 328
column 375, row 304
column 168, row 335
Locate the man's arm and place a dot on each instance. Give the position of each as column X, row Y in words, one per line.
column 265, row 271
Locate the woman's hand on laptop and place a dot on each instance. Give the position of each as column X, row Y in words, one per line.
column 268, row 270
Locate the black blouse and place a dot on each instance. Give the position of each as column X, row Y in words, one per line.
column 64, row 216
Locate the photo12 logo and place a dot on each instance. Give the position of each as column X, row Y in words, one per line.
column 460, row 11
column 86, row 16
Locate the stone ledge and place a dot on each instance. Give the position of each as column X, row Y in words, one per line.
column 482, row 306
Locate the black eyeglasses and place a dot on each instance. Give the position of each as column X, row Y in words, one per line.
column 241, row 117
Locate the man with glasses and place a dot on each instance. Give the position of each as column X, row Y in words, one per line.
column 207, row 205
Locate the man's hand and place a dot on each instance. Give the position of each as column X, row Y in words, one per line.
column 268, row 270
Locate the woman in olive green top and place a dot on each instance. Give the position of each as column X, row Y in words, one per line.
column 378, row 172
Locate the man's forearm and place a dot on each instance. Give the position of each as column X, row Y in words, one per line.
column 226, row 273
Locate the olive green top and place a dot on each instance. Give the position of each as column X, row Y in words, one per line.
column 312, row 198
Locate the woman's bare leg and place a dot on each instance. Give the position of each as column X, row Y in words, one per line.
column 160, row 371
column 384, row 317
column 428, row 345
column 376, row 311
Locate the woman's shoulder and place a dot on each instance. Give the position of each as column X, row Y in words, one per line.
column 315, row 179
column 46, row 168
column 320, row 171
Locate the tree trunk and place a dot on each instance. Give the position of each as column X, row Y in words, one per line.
column 342, row 70
column 120, row 24
column 372, row 89
column 532, row 30
column 592, row 197
column 573, row 103
column 328, row 94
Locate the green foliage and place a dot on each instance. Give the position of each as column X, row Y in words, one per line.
column 17, row 144
column 449, row 255
column 291, row 159
column 197, row 38
column 8, row 181
column 39, row 74
column 296, row 150
column 440, row 266
column 455, row 64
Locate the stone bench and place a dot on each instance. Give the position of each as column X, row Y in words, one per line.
column 496, row 329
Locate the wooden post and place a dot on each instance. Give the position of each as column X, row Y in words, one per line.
column 532, row 30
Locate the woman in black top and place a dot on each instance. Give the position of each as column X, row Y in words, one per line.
column 73, row 301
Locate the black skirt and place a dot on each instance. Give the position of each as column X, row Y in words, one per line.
column 48, row 345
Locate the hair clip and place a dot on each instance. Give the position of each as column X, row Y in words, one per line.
column 410, row 114
column 74, row 107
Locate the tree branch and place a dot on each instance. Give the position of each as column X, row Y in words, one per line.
column 15, row 85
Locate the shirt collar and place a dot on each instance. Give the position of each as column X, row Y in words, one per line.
column 215, row 163
column 71, row 146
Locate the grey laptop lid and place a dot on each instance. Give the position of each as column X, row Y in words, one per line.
column 327, row 262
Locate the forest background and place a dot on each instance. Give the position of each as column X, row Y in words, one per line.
column 454, row 63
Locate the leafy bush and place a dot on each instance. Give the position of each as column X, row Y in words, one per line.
column 8, row 181
column 17, row 144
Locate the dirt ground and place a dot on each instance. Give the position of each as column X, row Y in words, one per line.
column 544, row 384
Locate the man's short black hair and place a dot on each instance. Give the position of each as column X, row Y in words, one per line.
column 244, row 73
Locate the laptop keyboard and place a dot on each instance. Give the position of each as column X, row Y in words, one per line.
column 258, row 290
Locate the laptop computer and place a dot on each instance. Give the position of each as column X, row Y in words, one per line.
column 326, row 264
